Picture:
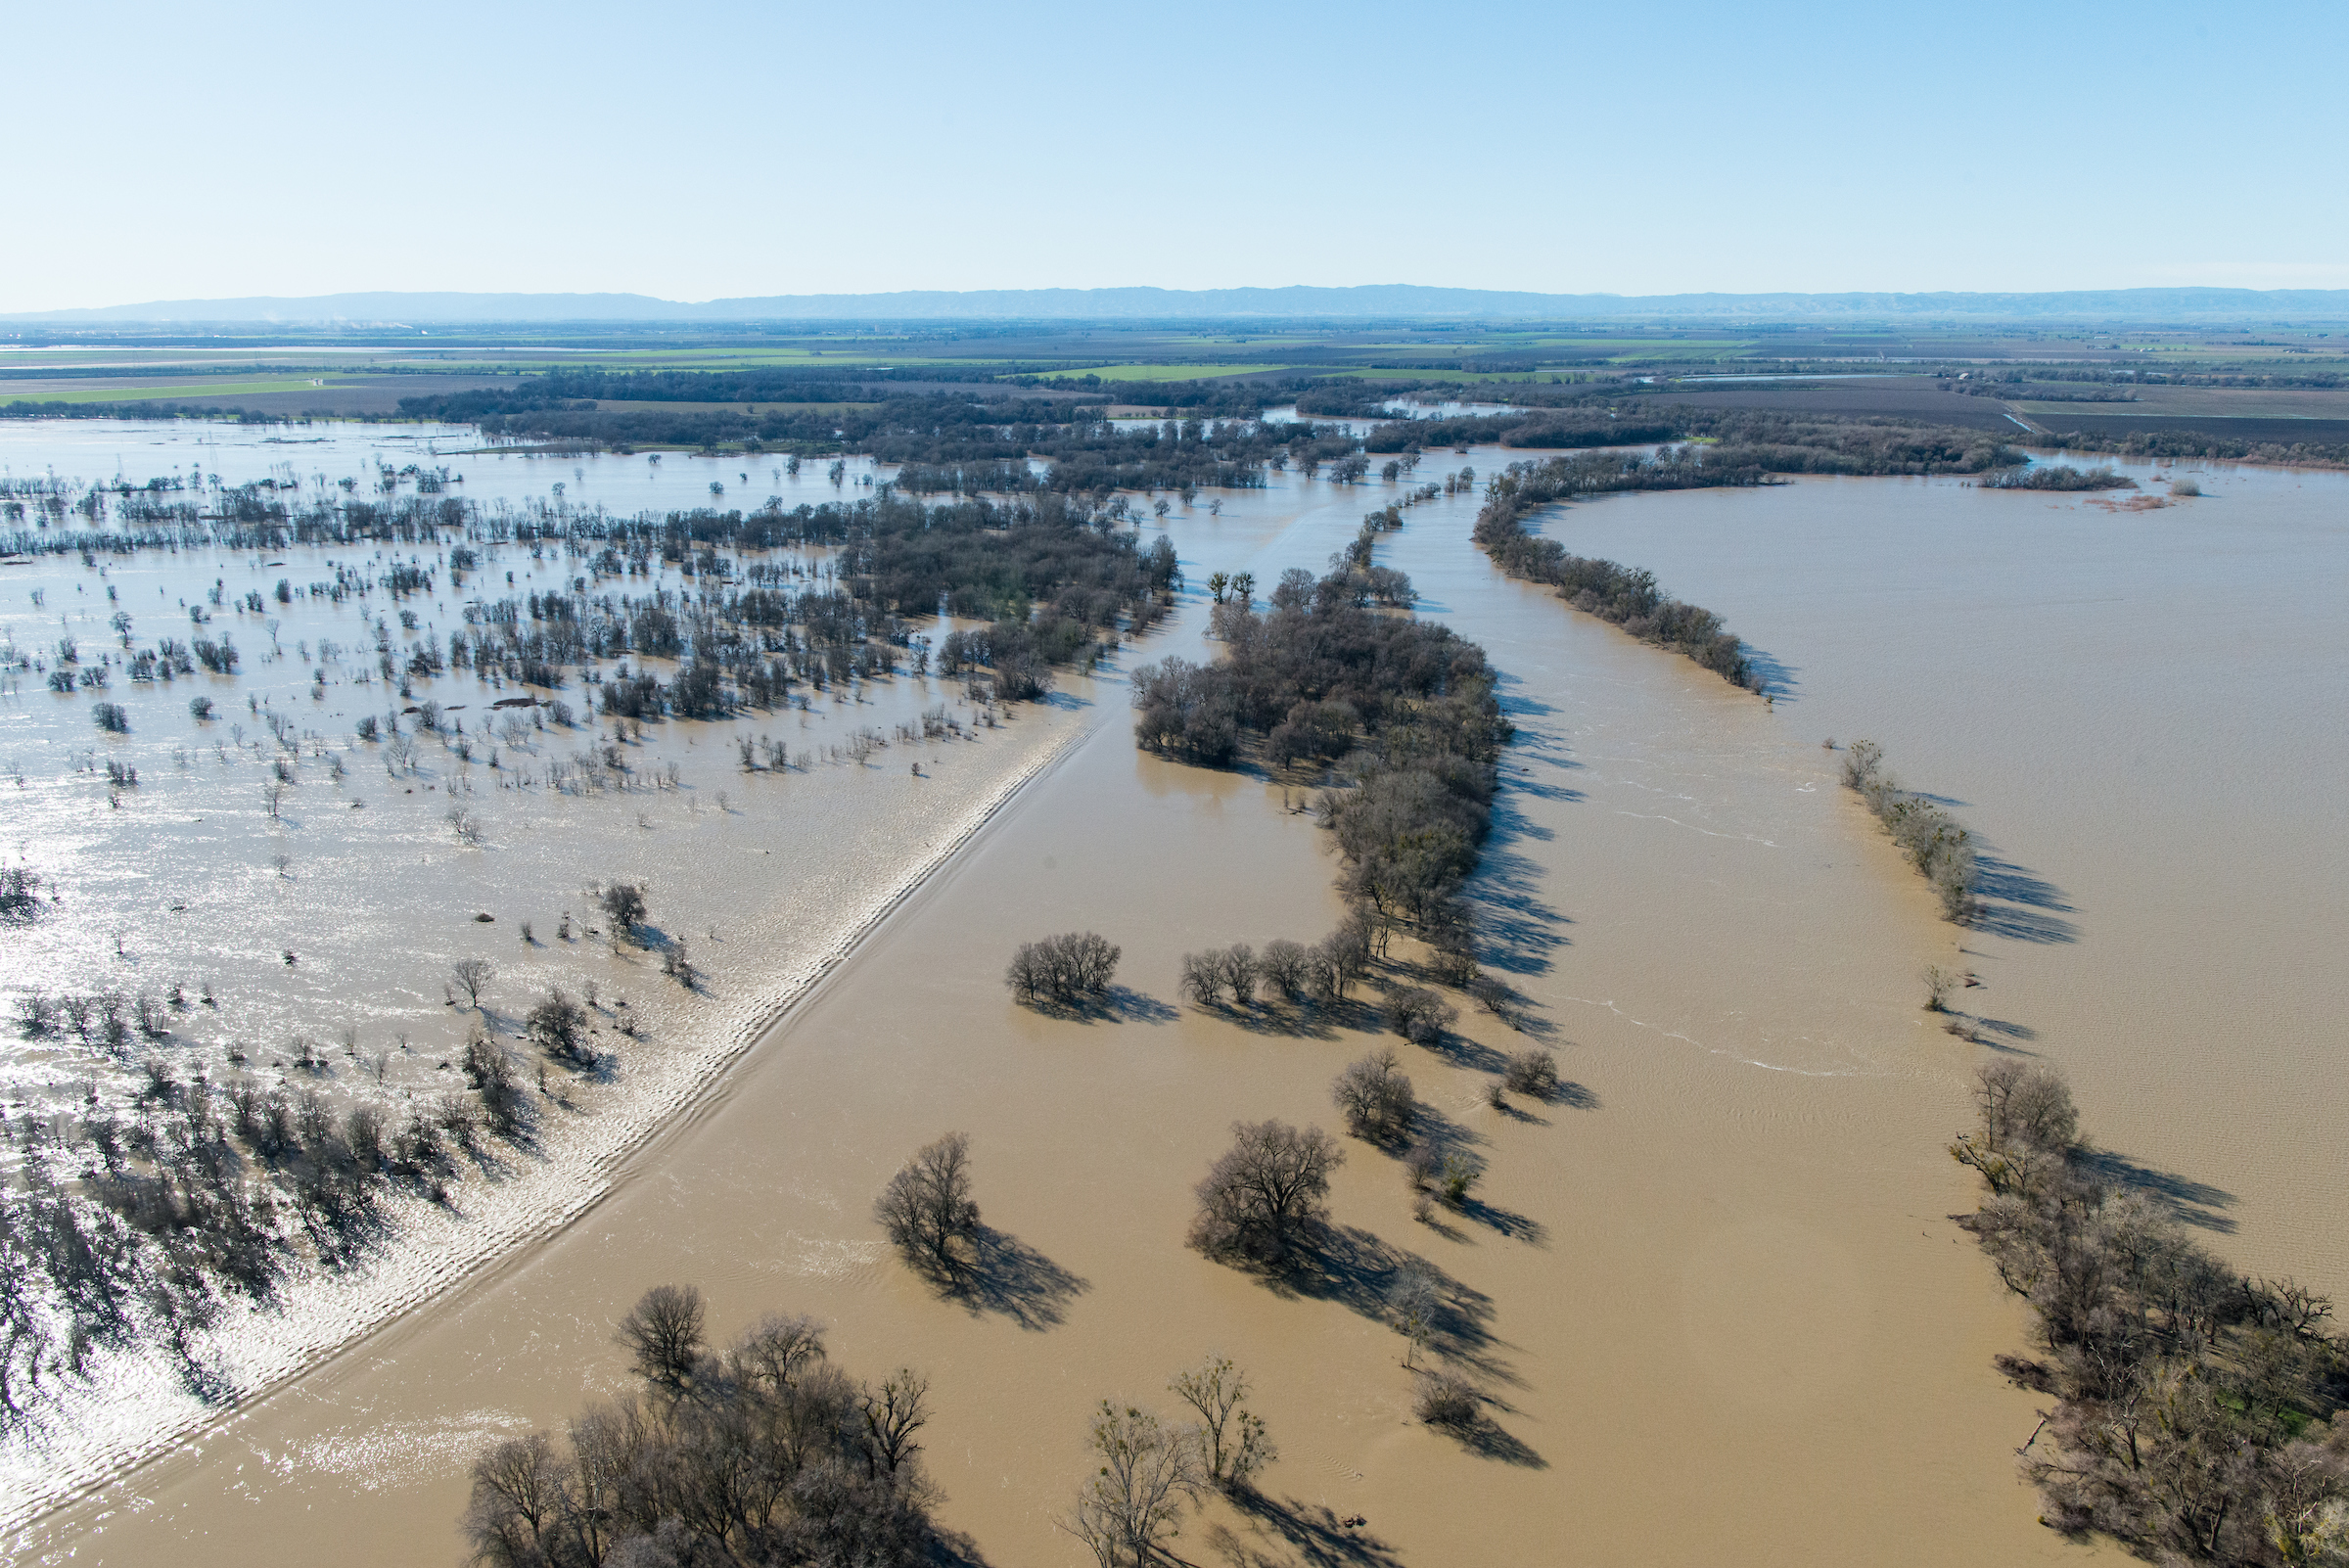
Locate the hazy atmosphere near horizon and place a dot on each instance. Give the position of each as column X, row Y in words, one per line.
column 913, row 787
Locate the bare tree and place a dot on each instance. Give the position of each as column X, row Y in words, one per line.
column 623, row 904
column 892, row 1412
column 473, row 977
column 1266, row 1191
column 1236, row 1445
column 1418, row 1014
column 1414, row 1300
column 1285, row 967
column 558, row 1025
column 1375, row 1098
column 777, row 1350
column 1446, row 1399
column 1532, row 1073
column 1132, row 1503
column 927, row 1206
column 663, row 1333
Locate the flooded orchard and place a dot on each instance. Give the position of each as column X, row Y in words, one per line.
column 1710, row 1287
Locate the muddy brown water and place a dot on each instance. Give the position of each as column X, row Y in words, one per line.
column 1712, row 1290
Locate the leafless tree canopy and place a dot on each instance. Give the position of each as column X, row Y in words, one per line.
column 927, row 1206
column 1446, row 1399
column 1072, row 969
column 2199, row 1416
column 1232, row 1439
column 1532, row 1073
column 558, row 1025
column 473, row 977
column 765, row 1457
column 1418, row 1014
column 1265, row 1192
column 663, row 1334
column 1132, row 1503
column 623, row 904
column 1375, row 1098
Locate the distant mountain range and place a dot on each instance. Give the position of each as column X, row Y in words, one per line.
column 1370, row 300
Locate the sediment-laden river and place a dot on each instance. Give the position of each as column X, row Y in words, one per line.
column 1713, row 1290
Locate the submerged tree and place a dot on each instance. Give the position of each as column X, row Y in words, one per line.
column 1267, row 1193
column 927, row 1207
column 1132, row 1505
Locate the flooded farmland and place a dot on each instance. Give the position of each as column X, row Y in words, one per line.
column 1713, row 1288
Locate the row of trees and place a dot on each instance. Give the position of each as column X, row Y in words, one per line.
column 2199, row 1416
column 1936, row 844
column 1626, row 596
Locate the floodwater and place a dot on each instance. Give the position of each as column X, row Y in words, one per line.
column 338, row 918
column 2144, row 712
column 1712, row 1291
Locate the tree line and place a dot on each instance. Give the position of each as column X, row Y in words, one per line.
column 1625, row 596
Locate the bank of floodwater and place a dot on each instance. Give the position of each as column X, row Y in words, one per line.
column 1726, row 1243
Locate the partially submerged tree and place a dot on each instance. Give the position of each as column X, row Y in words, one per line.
column 1232, row 1437
column 473, row 977
column 1132, row 1503
column 558, row 1026
column 1072, row 970
column 1375, row 1098
column 1267, row 1193
column 663, row 1334
column 1532, row 1073
column 623, row 904
column 927, row 1207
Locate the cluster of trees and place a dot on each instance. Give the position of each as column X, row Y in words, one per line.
column 2199, row 1414
column 1074, row 970
column 2198, row 444
column 765, row 1455
column 1546, row 427
column 150, row 1226
column 942, row 442
column 1132, row 1505
column 1285, row 972
column 2059, row 477
column 1400, row 713
column 1627, row 596
column 1937, row 845
column 1054, row 578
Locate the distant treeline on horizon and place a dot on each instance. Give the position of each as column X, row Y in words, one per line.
column 1296, row 303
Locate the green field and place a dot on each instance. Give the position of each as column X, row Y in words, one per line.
column 170, row 392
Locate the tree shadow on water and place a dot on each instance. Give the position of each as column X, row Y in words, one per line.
column 1120, row 1004
column 1520, row 929
column 2021, row 904
column 1008, row 1276
column 1356, row 1270
column 2191, row 1202
column 1288, row 1532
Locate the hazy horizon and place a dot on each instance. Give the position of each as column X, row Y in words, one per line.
column 1150, row 302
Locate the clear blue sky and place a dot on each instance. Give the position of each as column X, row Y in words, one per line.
column 709, row 147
